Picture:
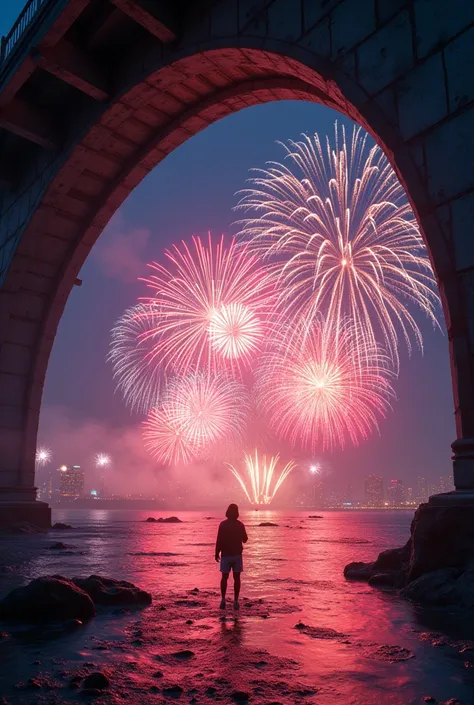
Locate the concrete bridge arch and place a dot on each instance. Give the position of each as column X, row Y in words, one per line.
column 94, row 93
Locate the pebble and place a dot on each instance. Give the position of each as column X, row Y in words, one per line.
column 34, row 684
column 96, row 681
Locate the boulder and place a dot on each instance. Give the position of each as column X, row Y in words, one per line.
column 150, row 520
column 436, row 588
column 393, row 564
column 59, row 525
column 359, row 571
column 110, row 592
column 267, row 523
column 47, row 599
column 442, row 537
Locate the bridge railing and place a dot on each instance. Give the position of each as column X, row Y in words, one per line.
column 22, row 25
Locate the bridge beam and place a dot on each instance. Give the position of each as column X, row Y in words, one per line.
column 71, row 65
column 157, row 18
column 23, row 119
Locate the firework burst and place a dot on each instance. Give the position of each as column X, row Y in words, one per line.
column 198, row 412
column 209, row 304
column 261, row 487
column 43, row 456
column 102, row 460
column 336, row 228
column 138, row 378
column 330, row 386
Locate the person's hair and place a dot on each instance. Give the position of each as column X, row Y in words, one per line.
column 232, row 511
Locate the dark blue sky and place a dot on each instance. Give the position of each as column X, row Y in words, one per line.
column 192, row 191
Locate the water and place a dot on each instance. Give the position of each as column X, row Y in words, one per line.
column 382, row 649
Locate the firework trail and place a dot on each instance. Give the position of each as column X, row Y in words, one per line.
column 43, row 456
column 102, row 460
column 318, row 388
column 335, row 226
column 261, row 488
column 197, row 413
column 138, row 377
column 209, row 305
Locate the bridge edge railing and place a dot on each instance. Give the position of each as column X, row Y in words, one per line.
column 26, row 19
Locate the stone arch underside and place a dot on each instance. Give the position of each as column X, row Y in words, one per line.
column 115, row 154
column 55, row 227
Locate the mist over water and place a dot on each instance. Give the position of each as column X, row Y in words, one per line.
column 353, row 642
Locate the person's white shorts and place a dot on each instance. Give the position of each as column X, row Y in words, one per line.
column 234, row 563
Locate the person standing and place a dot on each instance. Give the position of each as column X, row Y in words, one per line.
column 229, row 546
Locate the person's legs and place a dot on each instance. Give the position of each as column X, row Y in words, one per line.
column 224, row 579
column 236, row 586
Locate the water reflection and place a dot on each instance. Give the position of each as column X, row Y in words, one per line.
column 292, row 573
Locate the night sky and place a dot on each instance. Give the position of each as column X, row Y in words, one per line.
column 190, row 192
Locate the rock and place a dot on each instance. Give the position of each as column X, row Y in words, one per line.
column 429, row 699
column 381, row 580
column 184, row 654
column 110, row 592
column 91, row 692
column 158, row 674
column 240, row 696
column 165, row 520
column 58, row 546
column 96, row 680
column 34, row 684
column 359, row 571
column 150, row 519
column 47, row 599
column 211, row 690
column 437, row 588
column 3, row 635
column 188, row 621
column 394, row 563
column 174, row 690
column 58, row 525
column 315, row 516
column 266, row 523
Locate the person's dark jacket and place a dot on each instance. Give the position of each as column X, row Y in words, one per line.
column 230, row 537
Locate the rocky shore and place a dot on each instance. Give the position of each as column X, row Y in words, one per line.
column 436, row 565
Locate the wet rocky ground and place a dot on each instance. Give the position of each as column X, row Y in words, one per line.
column 303, row 634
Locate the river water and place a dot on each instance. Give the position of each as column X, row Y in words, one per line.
column 303, row 633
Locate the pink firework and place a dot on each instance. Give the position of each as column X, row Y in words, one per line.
column 336, row 229
column 166, row 437
column 319, row 387
column 198, row 412
column 210, row 303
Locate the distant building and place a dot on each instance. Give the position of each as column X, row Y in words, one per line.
column 71, row 481
column 373, row 485
column 421, row 490
column 395, row 493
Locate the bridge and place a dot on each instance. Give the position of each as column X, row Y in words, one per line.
column 95, row 93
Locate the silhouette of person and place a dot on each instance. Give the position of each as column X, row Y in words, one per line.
column 230, row 537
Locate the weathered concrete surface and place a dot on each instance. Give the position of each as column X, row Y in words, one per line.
column 400, row 68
